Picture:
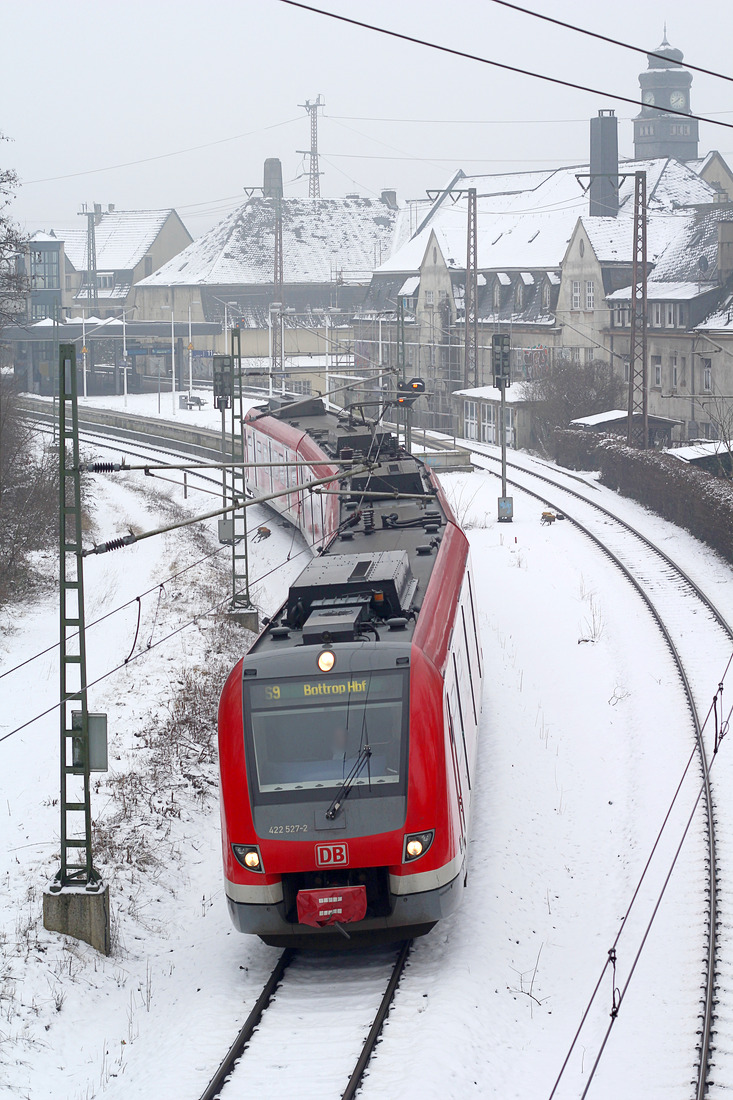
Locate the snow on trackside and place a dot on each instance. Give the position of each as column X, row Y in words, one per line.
column 584, row 736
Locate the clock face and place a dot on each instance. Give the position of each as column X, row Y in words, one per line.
column 678, row 100
column 649, row 98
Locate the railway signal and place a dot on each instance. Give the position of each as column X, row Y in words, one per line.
column 500, row 359
column 408, row 392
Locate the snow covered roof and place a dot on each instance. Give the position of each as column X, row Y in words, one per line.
column 721, row 319
column 658, row 292
column 122, row 238
column 600, row 418
column 514, row 394
column 41, row 237
column 322, row 238
column 118, row 291
column 526, row 219
column 614, row 416
column 409, row 286
column 699, row 450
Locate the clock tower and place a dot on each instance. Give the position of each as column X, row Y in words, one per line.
column 665, row 85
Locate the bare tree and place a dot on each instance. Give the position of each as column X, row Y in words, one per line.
column 571, row 389
column 28, row 499
column 13, row 283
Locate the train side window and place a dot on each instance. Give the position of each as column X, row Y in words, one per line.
column 456, row 696
column 473, row 619
column 468, row 661
column 456, row 771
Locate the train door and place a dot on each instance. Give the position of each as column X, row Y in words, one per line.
column 459, row 772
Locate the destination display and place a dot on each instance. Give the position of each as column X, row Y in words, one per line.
column 320, row 690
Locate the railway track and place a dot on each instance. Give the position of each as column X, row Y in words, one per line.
column 660, row 582
column 653, row 573
column 313, row 1006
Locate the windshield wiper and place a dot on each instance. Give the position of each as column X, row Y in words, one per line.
column 348, row 783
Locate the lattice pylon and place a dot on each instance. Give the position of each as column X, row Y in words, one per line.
column 638, row 420
column 471, row 294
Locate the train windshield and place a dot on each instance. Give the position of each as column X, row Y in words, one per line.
column 305, row 735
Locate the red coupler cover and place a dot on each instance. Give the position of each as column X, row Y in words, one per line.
column 331, row 904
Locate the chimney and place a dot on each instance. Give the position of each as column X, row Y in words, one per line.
column 604, row 165
column 725, row 251
column 273, row 178
column 389, row 198
column 97, row 213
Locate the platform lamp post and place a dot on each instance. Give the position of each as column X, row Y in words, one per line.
column 223, row 393
column 124, row 357
column 173, row 364
column 190, row 355
column 500, row 358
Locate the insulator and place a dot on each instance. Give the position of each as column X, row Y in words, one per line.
column 113, row 544
column 102, row 467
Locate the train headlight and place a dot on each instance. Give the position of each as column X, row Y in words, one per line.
column 416, row 845
column 326, row 660
column 248, row 856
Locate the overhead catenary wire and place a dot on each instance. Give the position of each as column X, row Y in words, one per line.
column 161, row 156
column 612, row 41
column 611, row 953
column 141, row 653
column 465, row 55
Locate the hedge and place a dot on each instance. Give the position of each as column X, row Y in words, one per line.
column 697, row 501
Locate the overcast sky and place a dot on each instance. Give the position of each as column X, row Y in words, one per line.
column 89, row 87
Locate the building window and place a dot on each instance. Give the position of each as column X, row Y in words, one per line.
column 673, row 371
column 41, row 310
column 575, row 304
column 680, row 315
column 299, row 386
column 575, row 354
column 469, row 420
column 518, row 296
column 590, row 295
column 621, row 319
column 105, row 279
column 429, row 297
column 657, row 314
column 707, row 375
column 546, row 296
column 488, row 423
column 683, row 369
column 627, row 371
column 657, row 371
column 670, row 315
column 497, row 295
column 44, row 269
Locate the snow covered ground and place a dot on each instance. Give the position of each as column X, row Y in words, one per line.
column 581, row 748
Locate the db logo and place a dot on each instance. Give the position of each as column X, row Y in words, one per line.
column 332, row 855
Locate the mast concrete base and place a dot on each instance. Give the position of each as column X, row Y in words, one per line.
column 78, row 912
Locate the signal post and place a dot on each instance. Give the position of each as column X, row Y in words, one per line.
column 500, row 349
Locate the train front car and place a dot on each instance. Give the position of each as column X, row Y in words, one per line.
column 348, row 732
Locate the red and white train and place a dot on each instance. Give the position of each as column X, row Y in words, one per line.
column 348, row 732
